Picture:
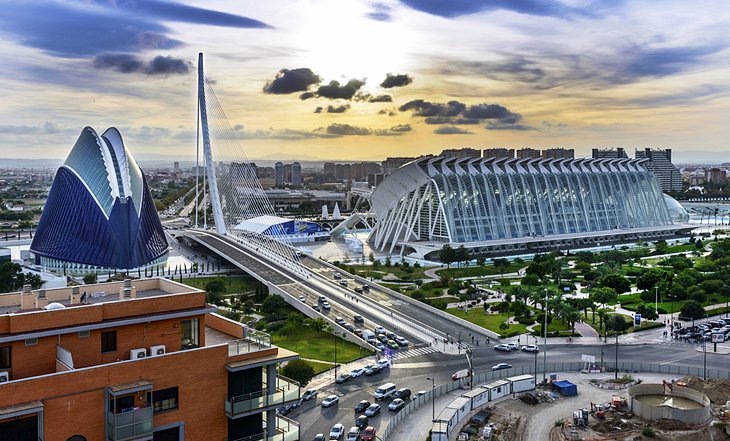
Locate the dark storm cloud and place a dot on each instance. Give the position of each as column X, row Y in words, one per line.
column 426, row 108
column 396, row 80
column 334, row 90
column 447, row 120
column 452, row 130
column 380, row 12
column 306, row 96
column 130, row 63
column 347, row 129
column 456, row 8
column 292, row 80
column 77, row 29
column 332, row 109
column 380, row 99
column 488, row 111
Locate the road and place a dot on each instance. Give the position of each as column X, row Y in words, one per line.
column 412, row 373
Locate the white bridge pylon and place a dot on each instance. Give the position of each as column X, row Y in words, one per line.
column 234, row 190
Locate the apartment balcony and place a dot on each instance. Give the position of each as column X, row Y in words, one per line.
column 287, row 391
column 130, row 425
column 286, row 430
column 255, row 341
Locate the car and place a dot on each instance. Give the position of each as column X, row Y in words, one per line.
column 326, row 306
column 361, row 421
column 396, row 404
column 361, row 406
column 373, row 370
column 500, row 366
column 316, row 308
column 349, row 327
column 420, row 393
column 283, row 410
column 358, row 318
column 309, row 394
column 358, row 290
column 342, row 378
column 382, row 338
column 383, row 363
column 401, row 341
column 356, row 372
column 343, row 282
column 392, row 344
column 302, row 299
column 322, row 299
column 531, row 348
column 368, row 434
column 372, row 410
column 379, row 330
column 380, row 346
column 340, row 321
column 330, row 401
column 513, row 346
column 353, row 434
column 402, row 393
column 337, row 276
column 365, row 288
column 502, row 347
column 391, row 335
column 337, row 431
column 319, row 437
column 358, row 332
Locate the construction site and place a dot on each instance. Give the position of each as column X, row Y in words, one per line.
column 600, row 407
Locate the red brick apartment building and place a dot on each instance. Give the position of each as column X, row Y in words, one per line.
column 136, row 360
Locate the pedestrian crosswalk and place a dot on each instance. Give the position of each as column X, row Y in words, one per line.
column 415, row 352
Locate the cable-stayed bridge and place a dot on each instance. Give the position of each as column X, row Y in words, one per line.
column 232, row 190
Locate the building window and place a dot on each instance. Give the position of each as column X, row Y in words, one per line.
column 31, row 341
column 163, row 399
column 189, row 334
column 109, row 341
column 5, row 357
column 77, row 438
column 84, row 334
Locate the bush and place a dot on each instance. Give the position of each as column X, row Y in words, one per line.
column 299, row 371
column 525, row 320
column 648, row 432
column 648, row 296
column 662, row 311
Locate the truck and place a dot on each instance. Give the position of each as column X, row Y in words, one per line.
column 369, row 336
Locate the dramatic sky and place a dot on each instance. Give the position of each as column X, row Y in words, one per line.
column 352, row 79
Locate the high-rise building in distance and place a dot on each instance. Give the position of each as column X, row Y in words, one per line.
column 617, row 153
column 525, row 153
column 498, row 152
column 558, row 153
column 279, row 172
column 660, row 163
column 461, row 153
column 296, row 174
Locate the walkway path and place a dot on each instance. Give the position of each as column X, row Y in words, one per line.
column 585, row 330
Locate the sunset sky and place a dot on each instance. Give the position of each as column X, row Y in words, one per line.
column 361, row 80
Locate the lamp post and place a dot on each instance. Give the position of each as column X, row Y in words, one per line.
column 544, row 333
column 433, row 398
column 536, row 357
column 656, row 300
column 704, row 361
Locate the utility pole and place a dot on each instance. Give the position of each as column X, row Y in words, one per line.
column 433, row 398
column 544, row 333
column 616, row 367
column 656, row 300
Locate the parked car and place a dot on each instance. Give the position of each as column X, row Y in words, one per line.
column 401, row 341
column 331, row 400
column 403, row 393
column 530, row 348
column 420, row 393
column 500, row 366
column 337, row 431
column 309, row 394
column 353, row 434
column 383, row 363
column 285, row 409
column 319, row 437
column 361, row 421
column 396, row 404
column 374, row 370
column 368, row 434
column 502, row 347
column 356, row 372
column 342, row 378
column 361, row 406
column 372, row 410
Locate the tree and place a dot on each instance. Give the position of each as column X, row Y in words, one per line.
column 11, row 277
column 602, row 296
column 299, row 371
column 214, row 291
column 616, row 281
column 462, row 255
column 288, row 329
column 275, row 306
column 661, row 246
column 34, row 280
column 649, row 278
column 447, row 255
column 501, row 264
column 90, row 278
column 646, row 312
column 693, row 310
column 618, row 325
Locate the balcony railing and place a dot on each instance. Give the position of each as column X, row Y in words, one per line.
column 286, row 430
column 286, row 391
column 130, row 425
column 254, row 341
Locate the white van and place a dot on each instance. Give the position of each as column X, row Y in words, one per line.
column 384, row 391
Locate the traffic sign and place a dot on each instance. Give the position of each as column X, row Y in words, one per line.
column 637, row 319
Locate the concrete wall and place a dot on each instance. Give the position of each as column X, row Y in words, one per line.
column 652, row 413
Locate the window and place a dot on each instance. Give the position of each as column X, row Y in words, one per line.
column 83, row 334
column 163, row 399
column 31, row 341
column 109, row 341
column 5, row 357
column 189, row 334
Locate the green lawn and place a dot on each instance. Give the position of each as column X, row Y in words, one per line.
column 554, row 326
column 381, row 270
column 320, row 346
column 478, row 271
column 644, row 324
column 488, row 321
column 234, row 284
column 319, row 367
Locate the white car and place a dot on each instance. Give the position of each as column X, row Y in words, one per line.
column 353, row 434
column 337, row 431
column 530, row 348
column 503, row 347
column 357, row 372
column 401, row 341
column 331, row 400
column 373, row 410
column 513, row 346
column 383, row 363
column 396, row 404
column 302, row 299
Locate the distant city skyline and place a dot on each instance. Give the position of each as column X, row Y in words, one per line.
column 362, row 80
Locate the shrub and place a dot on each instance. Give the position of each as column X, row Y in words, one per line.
column 662, row 311
column 299, row 371
column 648, row 432
column 525, row 320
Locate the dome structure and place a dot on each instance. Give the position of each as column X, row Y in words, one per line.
column 676, row 210
column 99, row 212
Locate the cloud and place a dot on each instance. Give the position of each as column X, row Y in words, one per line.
column 386, row 112
column 306, row 96
column 396, row 80
column 73, row 29
column 332, row 109
column 401, row 128
column 490, row 111
column 426, row 108
column 457, row 113
column 129, row 63
column 347, row 129
column 380, row 12
column 48, row 128
column 449, row 120
column 497, row 125
column 292, row 80
column 334, row 90
column 452, row 130
column 374, row 98
column 456, row 8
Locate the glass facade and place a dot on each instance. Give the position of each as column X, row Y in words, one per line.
column 484, row 200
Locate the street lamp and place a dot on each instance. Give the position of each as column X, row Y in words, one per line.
column 544, row 333
column 433, row 398
column 536, row 357
column 656, row 300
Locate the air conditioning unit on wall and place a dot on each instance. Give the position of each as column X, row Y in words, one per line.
column 135, row 354
column 157, row 350
column 4, row 377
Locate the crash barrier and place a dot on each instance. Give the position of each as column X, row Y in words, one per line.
column 545, row 370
